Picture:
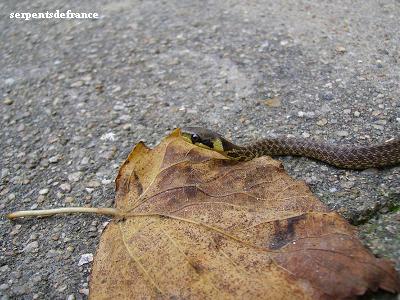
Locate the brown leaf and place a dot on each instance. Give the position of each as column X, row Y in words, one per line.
column 200, row 226
column 273, row 102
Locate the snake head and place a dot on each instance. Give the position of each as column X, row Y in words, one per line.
column 207, row 139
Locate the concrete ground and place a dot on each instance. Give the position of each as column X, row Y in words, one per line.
column 77, row 95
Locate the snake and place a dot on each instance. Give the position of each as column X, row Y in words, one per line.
column 353, row 157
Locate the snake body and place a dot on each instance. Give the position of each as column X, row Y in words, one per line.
column 341, row 156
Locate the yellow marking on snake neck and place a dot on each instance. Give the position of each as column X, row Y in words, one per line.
column 187, row 137
column 216, row 142
column 218, row 145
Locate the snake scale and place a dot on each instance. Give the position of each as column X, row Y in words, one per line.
column 341, row 156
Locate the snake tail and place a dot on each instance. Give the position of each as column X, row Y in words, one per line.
column 348, row 157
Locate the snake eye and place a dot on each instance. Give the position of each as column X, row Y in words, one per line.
column 195, row 138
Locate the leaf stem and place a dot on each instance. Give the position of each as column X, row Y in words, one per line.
column 64, row 210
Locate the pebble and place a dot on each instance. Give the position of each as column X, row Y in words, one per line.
column 127, row 126
column 66, row 187
column 19, row 290
column 69, row 199
column 284, row 42
column 78, row 83
column 116, row 89
column 326, row 108
column 85, row 259
column 5, row 172
column 71, row 297
column 9, row 81
column 36, row 279
column 347, row 184
column 327, row 96
column 379, row 127
column 15, row 229
column 376, row 113
column 33, row 236
column 340, row 49
column 119, row 107
column 40, row 199
column 381, row 122
column 110, row 136
column 308, row 114
column 4, row 286
column 105, row 181
column 55, row 159
column 356, row 113
column 108, row 154
column 273, row 102
column 308, row 180
column 342, row 133
column 16, row 274
column 43, row 163
column 370, row 172
column 8, row 101
column 31, row 247
column 84, row 291
column 87, row 78
column 93, row 184
column 347, row 111
column 74, row 177
column 85, row 160
column 21, row 128
column 379, row 63
column 5, row 269
column 43, row 191
column 322, row 122
column 52, row 253
column 62, row 288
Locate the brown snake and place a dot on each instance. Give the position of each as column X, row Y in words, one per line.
column 341, row 156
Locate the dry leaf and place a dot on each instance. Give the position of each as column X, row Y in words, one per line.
column 199, row 226
column 273, row 102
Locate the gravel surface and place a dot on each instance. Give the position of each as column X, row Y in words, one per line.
column 77, row 95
